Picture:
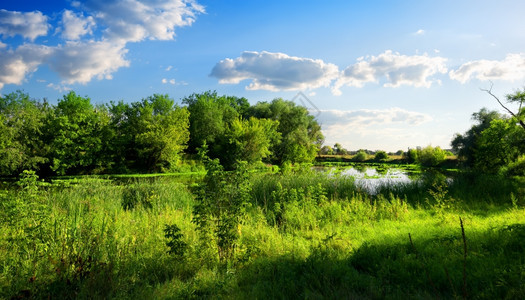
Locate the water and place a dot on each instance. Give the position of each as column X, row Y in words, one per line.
column 370, row 179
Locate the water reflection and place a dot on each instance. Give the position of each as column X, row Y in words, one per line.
column 371, row 179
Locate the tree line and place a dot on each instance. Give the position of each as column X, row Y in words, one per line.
column 152, row 135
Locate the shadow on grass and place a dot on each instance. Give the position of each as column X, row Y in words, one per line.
column 430, row 268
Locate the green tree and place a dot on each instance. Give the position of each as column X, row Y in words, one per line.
column 249, row 140
column 326, row 150
column 150, row 134
column 300, row 132
column 210, row 116
column 21, row 144
column 75, row 132
column 499, row 145
column 465, row 145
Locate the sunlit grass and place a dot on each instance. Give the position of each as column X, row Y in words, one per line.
column 326, row 240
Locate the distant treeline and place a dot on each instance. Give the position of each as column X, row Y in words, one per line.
column 152, row 135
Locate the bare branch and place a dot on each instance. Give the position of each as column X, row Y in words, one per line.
column 489, row 91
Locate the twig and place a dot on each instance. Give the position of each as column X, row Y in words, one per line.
column 464, row 259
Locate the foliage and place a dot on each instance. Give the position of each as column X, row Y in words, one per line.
column 465, row 145
column 381, row 155
column 75, row 133
column 301, row 136
column 21, row 125
column 220, row 205
column 361, row 155
column 249, row 140
column 430, row 156
column 174, row 236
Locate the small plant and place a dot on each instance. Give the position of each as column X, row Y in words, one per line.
column 174, row 240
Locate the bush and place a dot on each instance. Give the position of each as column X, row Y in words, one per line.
column 360, row 156
column 431, row 157
column 381, row 155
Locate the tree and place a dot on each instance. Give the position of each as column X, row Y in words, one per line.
column 21, row 144
column 465, row 145
column 499, row 145
column 210, row 115
column 519, row 98
column 249, row 141
column 75, row 132
column 326, row 150
column 150, row 134
column 300, row 132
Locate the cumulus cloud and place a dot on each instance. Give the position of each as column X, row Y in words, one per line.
column 79, row 62
column 275, row 71
column 396, row 69
column 420, row 32
column 76, row 25
column 511, row 68
column 133, row 20
column 30, row 25
column 15, row 65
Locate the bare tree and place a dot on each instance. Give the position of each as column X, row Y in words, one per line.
column 517, row 97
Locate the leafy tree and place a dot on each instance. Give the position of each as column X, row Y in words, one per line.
column 21, row 144
column 300, row 132
column 499, row 145
column 326, row 150
column 150, row 134
column 411, row 156
column 249, row 140
column 210, row 116
column 75, row 132
column 465, row 145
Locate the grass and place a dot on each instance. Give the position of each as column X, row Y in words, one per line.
column 302, row 236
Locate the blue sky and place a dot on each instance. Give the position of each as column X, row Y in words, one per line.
column 383, row 74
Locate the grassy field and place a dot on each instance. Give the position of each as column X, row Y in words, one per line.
column 300, row 236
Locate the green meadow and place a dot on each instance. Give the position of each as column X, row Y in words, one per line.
column 297, row 234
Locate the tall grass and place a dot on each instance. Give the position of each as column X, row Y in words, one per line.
column 303, row 236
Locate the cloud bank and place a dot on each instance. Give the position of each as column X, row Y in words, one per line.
column 80, row 57
column 281, row 72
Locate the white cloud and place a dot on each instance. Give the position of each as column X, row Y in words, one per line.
column 511, row 68
column 133, row 20
column 275, row 71
column 395, row 68
column 372, row 128
column 30, row 25
column 82, row 61
column 15, row 65
column 420, row 32
column 76, row 25
column 169, row 68
column 172, row 82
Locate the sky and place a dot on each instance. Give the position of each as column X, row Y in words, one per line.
column 378, row 75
